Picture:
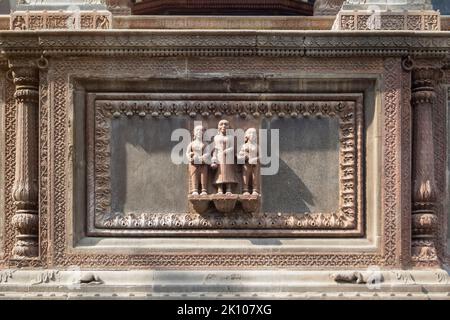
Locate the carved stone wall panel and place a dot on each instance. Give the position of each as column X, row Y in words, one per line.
column 61, row 71
column 346, row 216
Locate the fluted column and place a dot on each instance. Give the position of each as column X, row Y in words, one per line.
column 25, row 189
column 424, row 191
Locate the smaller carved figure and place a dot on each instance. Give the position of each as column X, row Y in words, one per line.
column 223, row 159
column 198, row 157
column 18, row 23
column 250, row 170
column 102, row 22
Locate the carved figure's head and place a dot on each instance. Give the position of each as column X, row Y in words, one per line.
column 223, row 126
column 251, row 135
column 199, row 131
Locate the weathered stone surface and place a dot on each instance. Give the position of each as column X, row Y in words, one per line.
column 307, row 180
column 230, row 284
column 144, row 177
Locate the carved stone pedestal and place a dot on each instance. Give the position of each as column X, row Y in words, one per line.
column 250, row 203
column 225, row 202
column 200, row 203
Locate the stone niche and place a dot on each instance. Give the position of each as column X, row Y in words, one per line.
column 123, row 155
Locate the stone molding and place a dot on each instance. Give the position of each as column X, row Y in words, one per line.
column 227, row 43
column 372, row 283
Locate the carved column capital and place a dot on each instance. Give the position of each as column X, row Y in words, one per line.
column 25, row 190
column 424, row 81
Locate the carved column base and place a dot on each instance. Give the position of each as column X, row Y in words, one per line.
column 225, row 203
column 27, row 225
column 424, row 254
column 423, row 247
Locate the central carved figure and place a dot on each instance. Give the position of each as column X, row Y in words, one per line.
column 223, row 159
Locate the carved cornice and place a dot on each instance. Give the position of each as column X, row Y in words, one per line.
column 227, row 43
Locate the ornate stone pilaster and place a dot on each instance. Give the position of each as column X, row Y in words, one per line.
column 25, row 189
column 424, row 190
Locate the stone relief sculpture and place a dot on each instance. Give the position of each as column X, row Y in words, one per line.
column 225, row 173
column 198, row 156
column 250, row 156
column 223, row 159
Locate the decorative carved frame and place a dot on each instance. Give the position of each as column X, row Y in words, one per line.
column 55, row 148
column 56, row 164
column 347, row 220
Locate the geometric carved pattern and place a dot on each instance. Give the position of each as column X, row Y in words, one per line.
column 9, row 170
column 391, row 192
column 350, row 118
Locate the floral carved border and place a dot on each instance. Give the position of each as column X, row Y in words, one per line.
column 58, row 162
column 346, row 218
